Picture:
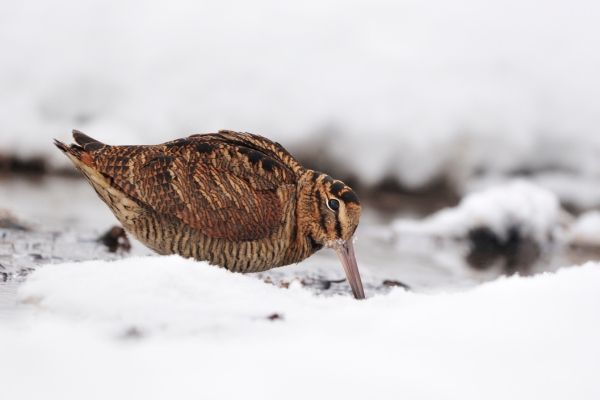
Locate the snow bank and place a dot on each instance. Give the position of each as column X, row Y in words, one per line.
column 168, row 327
column 520, row 204
column 412, row 90
column 532, row 210
column 586, row 230
column 579, row 192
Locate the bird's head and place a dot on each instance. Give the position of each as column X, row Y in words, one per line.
column 328, row 214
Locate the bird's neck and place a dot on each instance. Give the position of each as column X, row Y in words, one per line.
column 306, row 212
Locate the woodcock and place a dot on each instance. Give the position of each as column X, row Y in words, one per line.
column 236, row 200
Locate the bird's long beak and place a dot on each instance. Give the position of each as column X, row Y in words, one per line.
column 346, row 253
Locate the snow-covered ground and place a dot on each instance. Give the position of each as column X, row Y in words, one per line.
column 580, row 192
column 520, row 205
column 410, row 89
column 164, row 327
column 586, row 230
column 517, row 204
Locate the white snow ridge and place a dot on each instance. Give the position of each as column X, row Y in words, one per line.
column 536, row 212
column 161, row 327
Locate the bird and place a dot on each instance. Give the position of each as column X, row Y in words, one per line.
column 236, row 200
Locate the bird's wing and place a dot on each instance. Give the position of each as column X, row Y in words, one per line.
column 222, row 189
column 258, row 143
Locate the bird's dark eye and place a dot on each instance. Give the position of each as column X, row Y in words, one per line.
column 333, row 204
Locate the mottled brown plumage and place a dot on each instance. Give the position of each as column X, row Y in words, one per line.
column 236, row 200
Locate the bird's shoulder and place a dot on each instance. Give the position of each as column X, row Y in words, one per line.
column 243, row 154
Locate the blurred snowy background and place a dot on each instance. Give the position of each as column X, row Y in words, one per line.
column 422, row 106
column 415, row 91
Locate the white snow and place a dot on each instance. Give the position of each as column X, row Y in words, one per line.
column 586, row 230
column 535, row 211
column 576, row 190
column 202, row 332
column 580, row 191
column 449, row 87
column 519, row 203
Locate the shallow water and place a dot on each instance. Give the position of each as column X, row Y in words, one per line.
column 64, row 218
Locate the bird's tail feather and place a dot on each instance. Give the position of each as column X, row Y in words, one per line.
column 88, row 143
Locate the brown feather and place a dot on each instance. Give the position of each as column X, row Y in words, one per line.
column 237, row 200
column 175, row 178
